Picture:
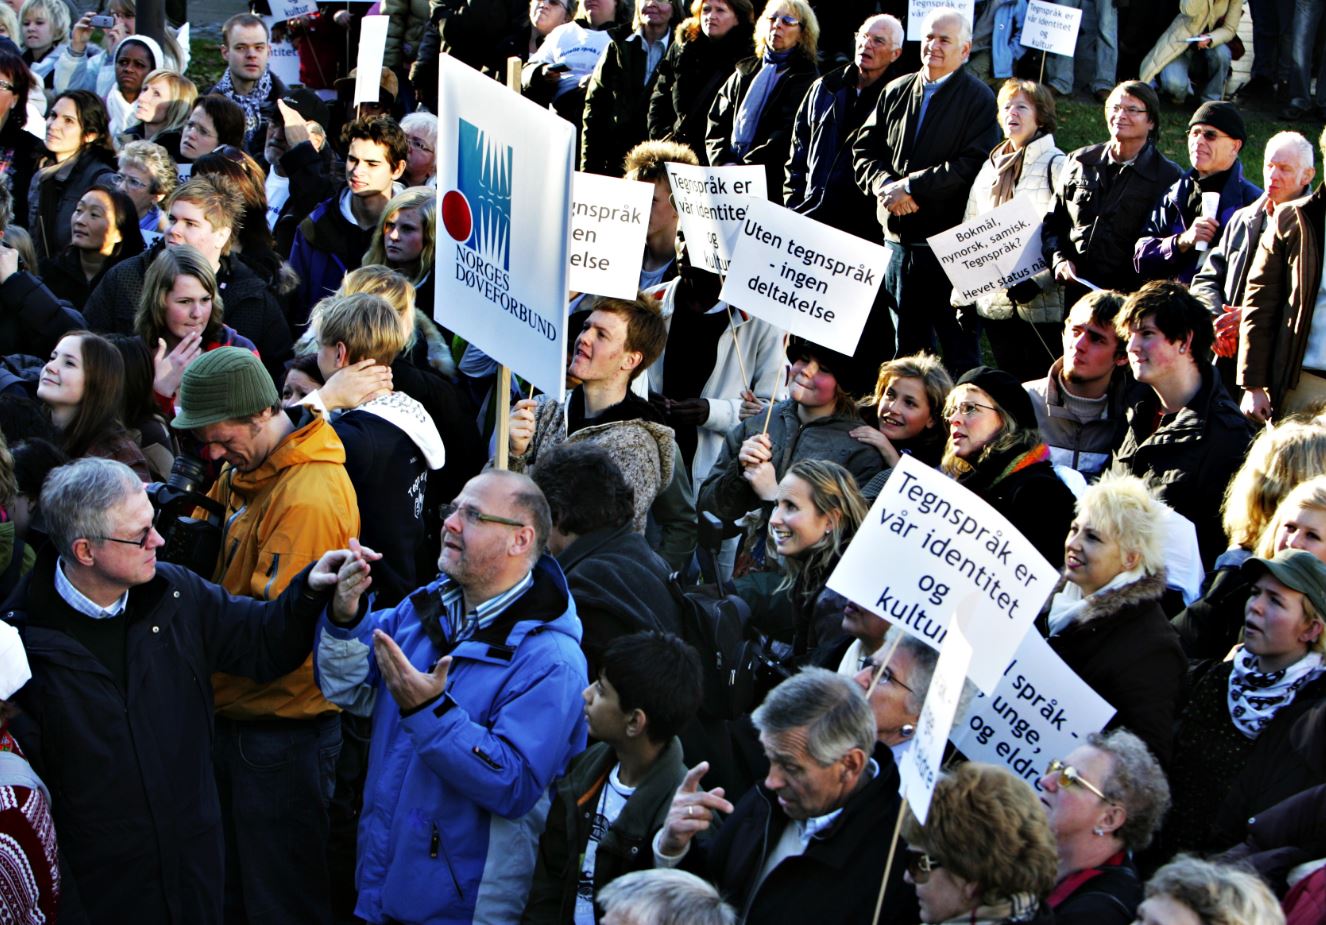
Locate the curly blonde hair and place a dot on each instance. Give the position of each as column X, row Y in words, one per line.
column 1281, row 457
column 1218, row 894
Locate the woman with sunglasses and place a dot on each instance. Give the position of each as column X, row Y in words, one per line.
column 750, row 121
column 1251, row 733
column 1104, row 800
column 1106, row 622
column 81, row 387
column 985, row 855
column 995, row 449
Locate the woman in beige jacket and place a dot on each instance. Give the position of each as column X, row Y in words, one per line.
column 1201, row 32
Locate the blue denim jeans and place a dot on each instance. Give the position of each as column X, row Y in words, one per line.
column 1174, row 77
column 1097, row 54
column 275, row 778
column 1272, row 38
column 1307, row 20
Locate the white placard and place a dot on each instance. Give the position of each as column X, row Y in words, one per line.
column 372, row 49
column 183, row 172
column 289, row 9
column 609, row 219
column 802, row 276
column 919, row 768
column 925, row 541
column 1051, row 27
column 504, row 206
column 918, row 10
column 284, row 63
column 712, row 202
column 1040, row 710
column 991, row 252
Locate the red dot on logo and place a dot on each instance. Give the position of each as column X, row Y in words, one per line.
column 456, row 215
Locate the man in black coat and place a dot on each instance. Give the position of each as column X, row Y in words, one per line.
column 819, row 828
column 917, row 155
column 117, row 718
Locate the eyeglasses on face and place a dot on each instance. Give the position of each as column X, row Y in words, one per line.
column 920, row 865
column 6, row 85
column 874, row 41
column 128, row 182
column 473, row 516
column 1068, row 777
column 141, row 542
column 422, row 146
column 1131, row 110
column 968, row 409
column 786, row 20
column 887, row 676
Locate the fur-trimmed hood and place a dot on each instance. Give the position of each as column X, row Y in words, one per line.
column 1147, row 588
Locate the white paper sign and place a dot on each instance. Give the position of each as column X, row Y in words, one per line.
column 609, row 219
column 289, row 9
column 940, row 541
column 1051, row 27
column 802, row 276
column 284, row 63
column 712, row 202
column 919, row 768
column 918, row 10
column 372, row 48
column 1040, row 710
column 991, row 252
column 504, row 206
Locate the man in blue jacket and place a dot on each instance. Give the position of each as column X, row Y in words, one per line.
column 482, row 671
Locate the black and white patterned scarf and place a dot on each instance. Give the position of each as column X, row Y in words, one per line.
column 1256, row 696
column 250, row 102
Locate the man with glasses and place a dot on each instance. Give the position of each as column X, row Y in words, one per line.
column 809, row 842
column 1181, row 230
column 117, row 715
column 287, row 497
column 474, row 685
column 1105, row 194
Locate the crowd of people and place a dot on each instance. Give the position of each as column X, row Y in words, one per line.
column 283, row 642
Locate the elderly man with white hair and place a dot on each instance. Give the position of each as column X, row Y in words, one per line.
column 917, row 155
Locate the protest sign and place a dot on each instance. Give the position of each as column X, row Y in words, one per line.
column 504, row 206
column 919, row 768
column 925, row 538
column 609, row 218
column 918, row 10
column 372, row 48
column 1040, row 710
column 802, row 276
column 1051, row 27
column 712, row 202
column 284, row 63
column 992, row 251
column 289, row 9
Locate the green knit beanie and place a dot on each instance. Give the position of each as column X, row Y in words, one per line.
column 221, row 385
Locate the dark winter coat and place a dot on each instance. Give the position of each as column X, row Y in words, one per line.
column 1290, row 833
column 1098, row 216
column 32, row 319
column 1156, row 254
column 819, row 181
column 940, row 163
column 19, row 152
column 1211, row 625
column 616, row 104
column 51, row 203
column 1105, row 895
column 313, row 178
column 1192, row 455
column 689, row 77
column 130, row 769
column 624, row 848
column 1032, row 497
column 773, row 131
column 326, row 247
column 1124, row 648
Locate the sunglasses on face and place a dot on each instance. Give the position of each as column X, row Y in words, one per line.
column 920, row 865
column 1068, row 777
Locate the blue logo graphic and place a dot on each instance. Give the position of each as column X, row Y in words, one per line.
column 484, row 177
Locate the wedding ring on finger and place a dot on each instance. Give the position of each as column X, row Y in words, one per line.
column 690, row 810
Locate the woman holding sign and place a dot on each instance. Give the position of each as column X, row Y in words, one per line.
column 1106, row 622
column 995, row 450
column 1023, row 320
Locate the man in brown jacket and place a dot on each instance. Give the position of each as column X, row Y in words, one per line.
column 1282, row 342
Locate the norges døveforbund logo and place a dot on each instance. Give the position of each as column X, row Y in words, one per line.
column 478, row 213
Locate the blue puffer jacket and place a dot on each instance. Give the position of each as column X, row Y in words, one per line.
column 1156, row 254
column 457, row 790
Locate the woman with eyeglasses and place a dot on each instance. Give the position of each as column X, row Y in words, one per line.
column 215, row 120
column 1022, row 321
column 103, row 231
column 421, row 164
column 81, row 387
column 1105, row 620
column 78, row 154
column 995, row 449
column 707, row 47
column 147, row 176
column 1104, row 800
column 750, row 121
column 985, row 855
column 161, row 109
column 19, row 148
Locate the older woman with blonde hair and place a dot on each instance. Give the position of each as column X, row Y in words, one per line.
column 750, row 121
column 985, row 855
column 1105, row 620
column 1105, row 800
column 1281, row 457
column 1196, row 892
